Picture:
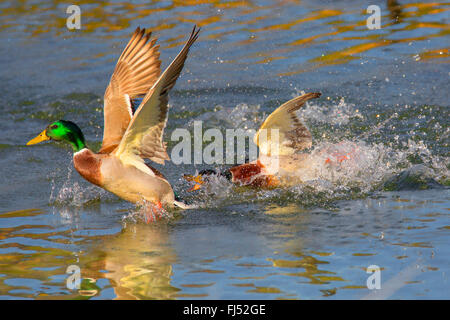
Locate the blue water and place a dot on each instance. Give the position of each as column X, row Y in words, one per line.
column 384, row 91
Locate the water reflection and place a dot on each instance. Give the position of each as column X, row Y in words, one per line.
column 32, row 254
column 297, row 260
column 341, row 34
column 138, row 262
column 271, row 246
column 297, row 256
column 395, row 10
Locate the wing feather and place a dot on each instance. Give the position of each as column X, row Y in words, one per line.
column 293, row 135
column 143, row 137
column 137, row 69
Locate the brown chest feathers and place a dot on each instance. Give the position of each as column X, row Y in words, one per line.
column 250, row 174
column 88, row 165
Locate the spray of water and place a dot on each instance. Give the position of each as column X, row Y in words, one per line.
column 345, row 164
column 71, row 193
column 351, row 156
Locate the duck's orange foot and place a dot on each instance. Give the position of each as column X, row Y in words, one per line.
column 339, row 158
column 196, row 179
column 153, row 212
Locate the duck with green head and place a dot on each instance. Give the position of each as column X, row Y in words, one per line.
column 130, row 135
column 62, row 130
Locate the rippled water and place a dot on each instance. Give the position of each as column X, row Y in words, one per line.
column 385, row 97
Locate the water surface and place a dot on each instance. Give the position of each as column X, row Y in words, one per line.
column 385, row 94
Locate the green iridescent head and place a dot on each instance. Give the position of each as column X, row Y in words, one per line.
column 62, row 130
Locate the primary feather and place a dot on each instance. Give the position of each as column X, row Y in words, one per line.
column 292, row 133
column 143, row 137
column 136, row 71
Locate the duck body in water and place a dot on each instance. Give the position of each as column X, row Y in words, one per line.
column 280, row 160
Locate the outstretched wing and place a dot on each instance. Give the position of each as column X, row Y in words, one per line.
column 136, row 71
column 143, row 137
column 292, row 133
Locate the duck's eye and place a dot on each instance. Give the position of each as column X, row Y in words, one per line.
column 55, row 126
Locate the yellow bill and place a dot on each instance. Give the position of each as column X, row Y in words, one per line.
column 41, row 137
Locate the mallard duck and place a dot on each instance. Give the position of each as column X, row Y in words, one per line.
column 130, row 134
column 279, row 158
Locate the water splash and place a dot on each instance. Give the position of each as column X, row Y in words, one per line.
column 71, row 193
column 242, row 116
column 345, row 163
column 333, row 114
column 146, row 212
column 353, row 155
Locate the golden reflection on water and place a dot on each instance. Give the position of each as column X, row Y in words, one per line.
column 220, row 19
column 25, row 257
column 311, row 266
column 138, row 262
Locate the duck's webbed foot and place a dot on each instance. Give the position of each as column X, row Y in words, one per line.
column 204, row 176
column 154, row 211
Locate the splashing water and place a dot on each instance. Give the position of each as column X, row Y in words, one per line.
column 335, row 114
column 72, row 193
column 345, row 164
column 147, row 212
